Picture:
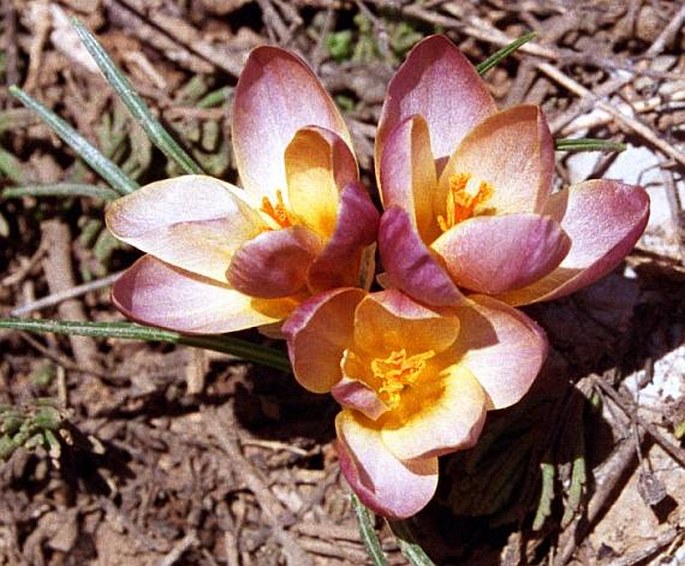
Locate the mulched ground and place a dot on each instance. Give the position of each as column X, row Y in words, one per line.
column 169, row 455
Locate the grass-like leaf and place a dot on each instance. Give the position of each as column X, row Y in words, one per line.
column 588, row 144
column 118, row 81
column 110, row 172
column 61, row 190
column 503, row 53
column 578, row 481
column 544, row 507
column 130, row 331
column 10, row 166
column 368, row 533
column 408, row 545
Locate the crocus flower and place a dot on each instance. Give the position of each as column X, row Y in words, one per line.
column 414, row 382
column 221, row 258
column 468, row 193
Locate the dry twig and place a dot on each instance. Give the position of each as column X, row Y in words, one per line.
column 58, row 273
column 272, row 509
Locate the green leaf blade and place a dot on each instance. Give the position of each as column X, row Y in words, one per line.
column 503, row 53
column 61, row 190
column 140, row 111
column 368, row 533
column 588, row 144
column 410, row 548
column 131, row 331
column 109, row 171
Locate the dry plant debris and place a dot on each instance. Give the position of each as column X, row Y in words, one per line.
column 168, row 456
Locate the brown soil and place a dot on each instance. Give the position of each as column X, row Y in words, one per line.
column 169, row 455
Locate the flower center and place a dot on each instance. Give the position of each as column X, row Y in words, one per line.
column 397, row 372
column 464, row 195
column 278, row 212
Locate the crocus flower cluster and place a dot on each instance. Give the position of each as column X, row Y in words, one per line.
column 471, row 228
column 468, row 196
column 221, row 258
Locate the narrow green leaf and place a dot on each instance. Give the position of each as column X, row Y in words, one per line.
column 130, row 331
column 578, row 482
column 54, row 446
column 368, row 533
column 503, row 53
column 588, row 144
column 679, row 431
column 215, row 98
column 408, row 545
column 116, row 178
column 61, row 190
column 11, row 167
column 544, row 508
column 7, row 446
column 118, row 81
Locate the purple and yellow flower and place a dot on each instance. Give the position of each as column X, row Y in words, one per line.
column 414, row 382
column 468, row 195
column 221, row 258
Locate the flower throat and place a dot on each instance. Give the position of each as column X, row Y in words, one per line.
column 464, row 195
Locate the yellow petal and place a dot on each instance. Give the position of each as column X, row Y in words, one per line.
column 439, row 417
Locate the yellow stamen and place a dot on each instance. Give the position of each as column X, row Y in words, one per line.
column 279, row 213
column 464, row 195
column 397, row 372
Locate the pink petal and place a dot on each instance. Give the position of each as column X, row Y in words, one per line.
column 437, row 82
column 277, row 94
column 513, row 151
column 275, row 263
column 408, row 262
column 318, row 165
column 388, row 486
column 449, row 415
column 193, row 222
column 155, row 293
column 604, row 219
column 318, row 332
column 503, row 348
column 494, row 254
column 338, row 265
column 407, row 175
column 356, row 395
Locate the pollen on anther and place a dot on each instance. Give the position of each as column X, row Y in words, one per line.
column 464, row 196
column 397, row 372
column 278, row 212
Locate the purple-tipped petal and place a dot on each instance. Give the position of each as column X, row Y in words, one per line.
column 193, row 222
column 503, row 348
column 277, row 94
column 408, row 262
column 512, row 151
column 355, row 395
column 318, row 165
column 338, row 264
column 495, row 254
column 437, row 82
column 155, row 293
column 318, row 332
column 450, row 415
column 388, row 486
column 275, row 263
column 407, row 175
column 604, row 219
